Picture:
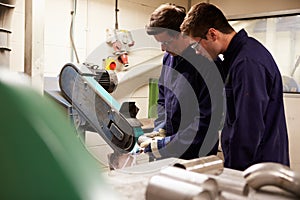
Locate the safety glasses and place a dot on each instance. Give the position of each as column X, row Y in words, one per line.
column 166, row 43
column 196, row 46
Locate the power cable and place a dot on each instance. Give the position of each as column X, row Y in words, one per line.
column 73, row 14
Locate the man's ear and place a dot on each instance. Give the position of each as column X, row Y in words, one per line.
column 212, row 34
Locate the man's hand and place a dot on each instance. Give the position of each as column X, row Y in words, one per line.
column 152, row 142
column 155, row 145
column 145, row 140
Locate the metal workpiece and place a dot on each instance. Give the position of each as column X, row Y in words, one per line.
column 208, row 165
column 273, row 174
column 231, row 184
column 159, row 180
column 202, row 180
column 167, row 188
column 212, row 166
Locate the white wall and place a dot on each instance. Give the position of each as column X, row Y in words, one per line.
column 93, row 17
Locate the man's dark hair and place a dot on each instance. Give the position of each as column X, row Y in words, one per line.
column 201, row 18
column 167, row 17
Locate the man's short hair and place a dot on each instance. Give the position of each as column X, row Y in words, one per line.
column 203, row 16
column 166, row 17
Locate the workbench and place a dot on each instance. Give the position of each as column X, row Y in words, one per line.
column 131, row 183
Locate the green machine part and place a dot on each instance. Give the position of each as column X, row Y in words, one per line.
column 41, row 155
column 153, row 96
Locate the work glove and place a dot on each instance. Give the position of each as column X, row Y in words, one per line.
column 155, row 144
column 145, row 140
column 152, row 142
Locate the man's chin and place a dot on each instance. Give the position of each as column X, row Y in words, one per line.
column 172, row 53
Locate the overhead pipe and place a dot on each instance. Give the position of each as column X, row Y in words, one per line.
column 73, row 49
column 116, row 15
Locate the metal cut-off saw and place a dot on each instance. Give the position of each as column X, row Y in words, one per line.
column 87, row 89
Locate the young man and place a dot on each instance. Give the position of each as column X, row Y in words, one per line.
column 255, row 127
column 185, row 108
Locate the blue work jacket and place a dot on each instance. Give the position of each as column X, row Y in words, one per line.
column 184, row 106
column 255, row 126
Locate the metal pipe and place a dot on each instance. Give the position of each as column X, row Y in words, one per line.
column 264, row 174
column 166, row 188
column 210, row 165
column 231, row 184
column 202, row 180
column 73, row 49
